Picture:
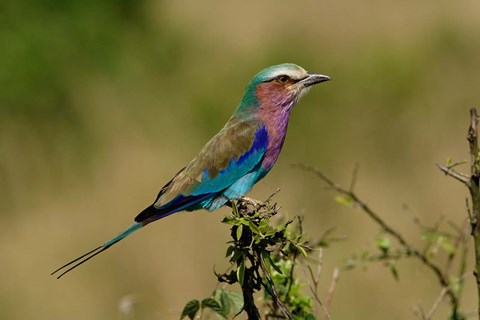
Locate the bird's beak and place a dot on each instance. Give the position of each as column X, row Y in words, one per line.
column 314, row 78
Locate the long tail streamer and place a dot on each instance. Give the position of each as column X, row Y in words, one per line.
column 89, row 255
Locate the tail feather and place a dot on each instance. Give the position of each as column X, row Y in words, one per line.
column 89, row 255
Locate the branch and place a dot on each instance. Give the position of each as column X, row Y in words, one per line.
column 331, row 290
column 439, row 299
column 274, row 291
column 315, row 278
column 454, row 174
column 473, row 187
column 473, row 141
column 410, row 249
column 472, row 182
column 248, row 299
column 436, row 304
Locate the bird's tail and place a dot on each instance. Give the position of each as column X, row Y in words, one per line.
column 89, row 255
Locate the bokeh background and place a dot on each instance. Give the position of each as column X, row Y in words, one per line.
column 101, row 102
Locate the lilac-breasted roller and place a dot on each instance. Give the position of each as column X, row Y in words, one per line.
column 238, row 156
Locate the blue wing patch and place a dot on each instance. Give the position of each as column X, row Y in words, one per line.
column 237, row 168
column 212, row 193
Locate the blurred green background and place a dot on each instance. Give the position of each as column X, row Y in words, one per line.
column 101, row 102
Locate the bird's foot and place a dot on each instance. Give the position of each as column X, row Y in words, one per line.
column 250, row 201
column 248, row 206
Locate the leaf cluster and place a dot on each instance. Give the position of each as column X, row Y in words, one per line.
column 223, row 303
column 382, row 252
column 263, row 255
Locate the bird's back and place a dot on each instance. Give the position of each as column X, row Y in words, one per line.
column 230, row 155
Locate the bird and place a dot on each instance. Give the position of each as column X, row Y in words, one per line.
column 236, row 158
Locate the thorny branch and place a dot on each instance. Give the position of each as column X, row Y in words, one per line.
column 409, row 249
column 454, row 174
column 472, row 182
column 315, row 278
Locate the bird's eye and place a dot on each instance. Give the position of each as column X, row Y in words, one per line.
column 283, row 79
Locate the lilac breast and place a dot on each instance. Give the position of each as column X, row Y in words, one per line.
column 276, row 121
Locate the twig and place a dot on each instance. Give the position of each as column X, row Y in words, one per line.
column 272, row 195
column 433, row 229
column 418, row 311
column 459, row 241
column 331, row 289
column 463, row 265
column 354, row 177
column 319, row 268
column 410, row 250
column 274, row 291
column 320, row 303
column 316, row 280
column 290, row 276
column 435, row 305
column 469, row 211
column 454, row 174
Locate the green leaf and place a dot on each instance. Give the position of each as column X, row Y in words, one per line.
column 190, row 309
column 264, row 227
column 344, row 200
column 302, row 250
column 241, row 271
column 237, row 253
column 429, row 235
column 267, row 259
column 310, row 317
column 239, row 231
column 237, row 299
column 212, row 304
column 228, row 219
column 226, row 303
column 456, row 285
column 383, row 244
column 231, row 220
column 234, row 208
column 253, row 227
column 229, row 251
column 394, row 271
column 448, row 247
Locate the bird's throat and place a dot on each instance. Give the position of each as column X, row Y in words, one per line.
column 276, row 123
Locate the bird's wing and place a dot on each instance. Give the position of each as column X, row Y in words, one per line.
column 228, row 156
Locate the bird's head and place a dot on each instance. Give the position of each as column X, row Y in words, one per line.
column 279, row 87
